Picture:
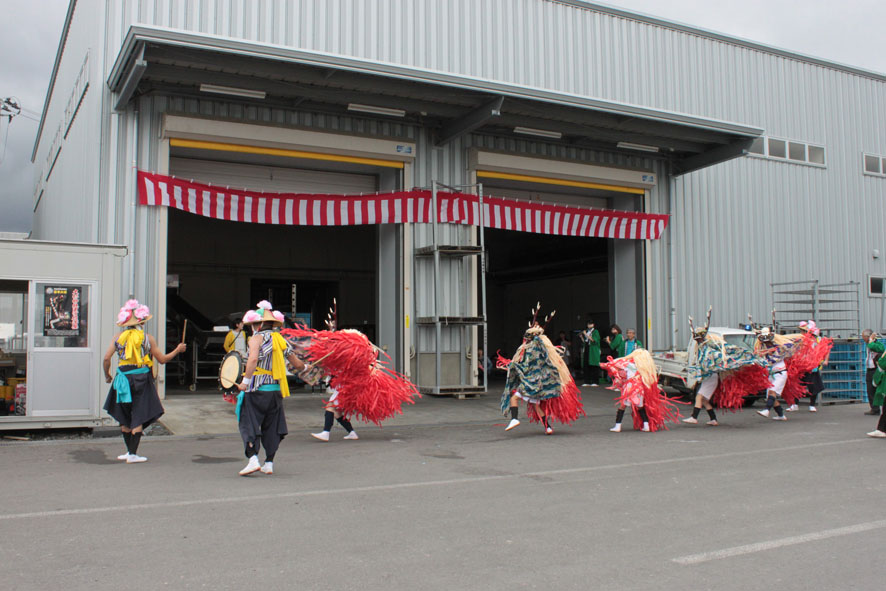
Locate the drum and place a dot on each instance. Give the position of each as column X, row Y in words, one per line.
column 230, row 374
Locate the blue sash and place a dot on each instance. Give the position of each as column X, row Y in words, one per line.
column 265, row 388
column 121, row 384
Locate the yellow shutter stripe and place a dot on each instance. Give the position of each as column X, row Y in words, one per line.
column 244, row 149
column 554, row 181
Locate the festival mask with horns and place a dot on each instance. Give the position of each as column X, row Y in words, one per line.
column 699, row 334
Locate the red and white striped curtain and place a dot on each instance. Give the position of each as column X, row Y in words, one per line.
column 397, row 207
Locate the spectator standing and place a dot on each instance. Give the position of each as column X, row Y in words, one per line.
column 632, row 343
column 563, row 341
column 590, row 337
column 875, row 350
column 484, row 365
column 616, row 341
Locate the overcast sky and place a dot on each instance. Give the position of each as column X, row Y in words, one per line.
column 849, row 32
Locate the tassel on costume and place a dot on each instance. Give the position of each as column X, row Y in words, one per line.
column 659, row 408
column 367, row 388
column 735, row 385
column 807, row 356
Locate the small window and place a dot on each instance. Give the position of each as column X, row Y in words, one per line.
column 877, row 286
column 758, row 147
column 883, row 170
column 871, row 164
column 777, row 148
column 797, row 151
column 816, row 155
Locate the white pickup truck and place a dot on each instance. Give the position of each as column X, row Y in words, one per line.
column 673, row 366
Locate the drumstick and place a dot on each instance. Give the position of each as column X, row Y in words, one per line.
column 185, row 330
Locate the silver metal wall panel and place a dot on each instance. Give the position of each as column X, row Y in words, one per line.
column 594, row 53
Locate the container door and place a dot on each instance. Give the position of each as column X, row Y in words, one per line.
column 61, row 372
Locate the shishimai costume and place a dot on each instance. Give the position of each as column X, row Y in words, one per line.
column 636, row 379
column 807, row 354
column 775, row 350
column 726, row 373
column 538, row 375
column 132, row 399
column 331, row 411
column 359, row 378
column 811, row 353
column 260, row 415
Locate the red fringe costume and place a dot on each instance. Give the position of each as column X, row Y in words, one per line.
column 735, row 385
column 659, row 408
column 807, row 356
column 367, row 387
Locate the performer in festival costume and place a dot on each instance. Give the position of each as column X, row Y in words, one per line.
column 260, row 403
column 727, row 374
column 332, row 413
column 774, row 349
column 636, row 377
column 538, row 375
column 364, row 386
column 879, row 381
column 133, row 399
column 811, row 355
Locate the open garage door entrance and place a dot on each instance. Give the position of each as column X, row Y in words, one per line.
column 221, row 268
column 599, row 278
column 580, row 277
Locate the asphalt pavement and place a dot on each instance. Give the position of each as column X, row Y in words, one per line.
column 458, row 504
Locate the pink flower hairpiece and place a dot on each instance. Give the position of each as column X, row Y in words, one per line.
column 131, row 305
column 251, row 316
column 264, row 305
column 142, row 312
column 278, row 315
column 123, row 316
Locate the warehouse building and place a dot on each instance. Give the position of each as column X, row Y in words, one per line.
column 243, row 151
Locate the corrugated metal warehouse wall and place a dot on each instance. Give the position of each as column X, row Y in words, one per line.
column 735, row 227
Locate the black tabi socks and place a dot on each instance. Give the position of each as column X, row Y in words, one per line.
column 695, row 412
column 328, row 418
column 514, row 410
column 127, row 439
column 642, row 412
column 779, row 410
column 712, row 414
column 619, row 415
column 132, row 444
column 345, row 423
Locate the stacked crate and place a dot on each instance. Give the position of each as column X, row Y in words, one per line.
column 843, row 377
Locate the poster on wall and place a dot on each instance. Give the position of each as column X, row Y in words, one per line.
column 61, row 317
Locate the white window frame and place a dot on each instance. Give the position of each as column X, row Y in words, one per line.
column 864, row 167
column 787, row 159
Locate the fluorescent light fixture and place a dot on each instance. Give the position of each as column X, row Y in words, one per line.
column 376, row 110
column 538, row 132
column 230, row 90
column 639, row 147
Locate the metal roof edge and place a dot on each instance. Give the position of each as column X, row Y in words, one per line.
column 140, row 34
column 29, row 241
column 58, row 58
column 740, row 41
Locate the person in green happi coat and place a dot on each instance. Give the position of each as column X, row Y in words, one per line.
column 616, row 341
column 590, row 338
column 878, row 381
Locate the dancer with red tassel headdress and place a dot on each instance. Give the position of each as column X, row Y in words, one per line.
column 804, row 375
column 636, row 377
column 728, row 373
column 331, row 410
column 538, row 375
column 360, row 383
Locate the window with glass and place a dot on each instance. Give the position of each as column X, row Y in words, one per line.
column 62, row 315
column 872, row 164
column 777, row 148
column 877, row 285
column 13, row 316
